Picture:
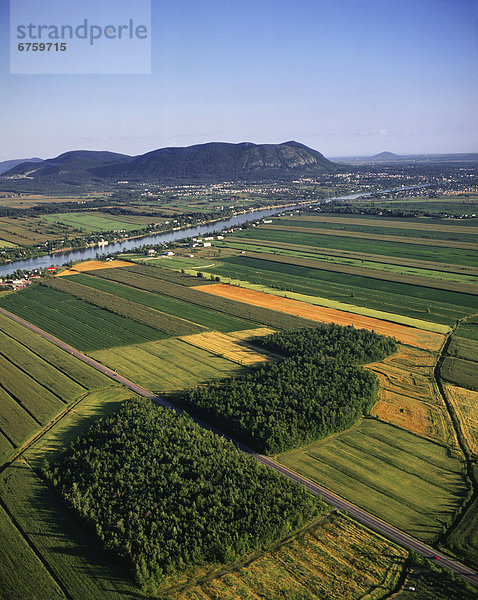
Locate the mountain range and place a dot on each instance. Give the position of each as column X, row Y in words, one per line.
column 215, row 161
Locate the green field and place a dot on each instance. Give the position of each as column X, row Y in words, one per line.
column 411, row 228
column 414, row 251
column 38, row 381
column 166, row 365
column 461, row 372
column 366, row 261
column 68, row 551
column 202, row 316
column 408, row 481
column 468, row 329
column 437, row 306
column 94, row 221
column 82, row 325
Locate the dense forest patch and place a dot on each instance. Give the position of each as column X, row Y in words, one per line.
column 319, row 389
column 167, row 495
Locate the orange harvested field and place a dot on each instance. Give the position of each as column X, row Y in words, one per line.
column 404, row 334
column 465, row 403
column 231, row 347
column 94, row 265
column 409, row 398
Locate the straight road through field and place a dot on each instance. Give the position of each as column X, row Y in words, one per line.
column 333, row 499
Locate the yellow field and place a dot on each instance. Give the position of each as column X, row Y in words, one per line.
column 408, row 396
column 336, row 559
column 465, row 403
column 407, row 335
column 94, row 265
column 232, row 346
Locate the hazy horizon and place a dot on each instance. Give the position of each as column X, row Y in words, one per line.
column 345, row 77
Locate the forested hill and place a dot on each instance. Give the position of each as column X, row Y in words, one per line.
column 215, row 161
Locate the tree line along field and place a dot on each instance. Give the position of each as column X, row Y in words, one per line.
column 38, row 381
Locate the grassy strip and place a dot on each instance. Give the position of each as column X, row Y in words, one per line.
column 419, row 224
column 166, row 365
column 318, row 301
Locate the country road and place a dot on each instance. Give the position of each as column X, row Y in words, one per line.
column 340, row 503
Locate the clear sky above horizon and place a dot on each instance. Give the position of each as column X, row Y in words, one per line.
column 346, row 77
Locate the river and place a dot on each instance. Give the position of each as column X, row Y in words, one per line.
column 58, row 259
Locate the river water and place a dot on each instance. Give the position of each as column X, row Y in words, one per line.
column 58, row 259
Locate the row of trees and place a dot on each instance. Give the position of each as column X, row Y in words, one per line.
column 316, row 391
column 168, row 495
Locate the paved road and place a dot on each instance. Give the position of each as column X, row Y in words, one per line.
column 333, row 499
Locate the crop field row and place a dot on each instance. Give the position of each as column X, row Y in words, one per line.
column 408, row 481
column 82, row 325
column 369, row 261
column 230, row 347
column 184, row 310
column 401, row 247
column 95, row 221
column 24, row 231
column 463, row 348
column 338, row 558
column 465, row 405
column 437, row 306
column 409, row 224
column 37, row 381
column 93, row 265
column 415, row 235
column 79, row 372
column 408, row 397
column 407, row 335
column 168, row 324
column 166, row 365
column 257, row 315
column 66, row 555
column 416, row 280
column 162, row 274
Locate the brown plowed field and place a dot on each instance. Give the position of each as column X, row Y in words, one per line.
column 94, row 265
column 407, row 335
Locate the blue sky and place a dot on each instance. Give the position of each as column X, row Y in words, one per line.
column 347, row 77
